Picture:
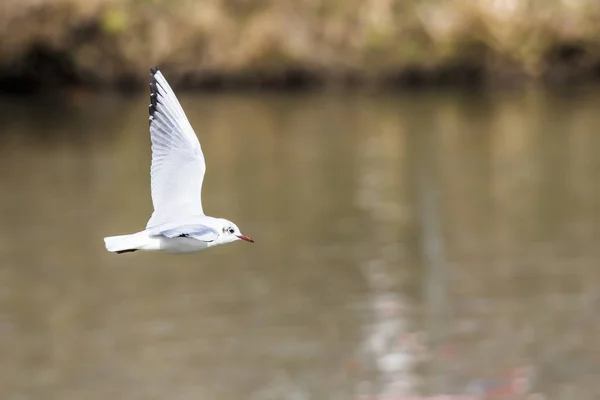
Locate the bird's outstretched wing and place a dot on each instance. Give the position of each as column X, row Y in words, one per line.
column 178, row 165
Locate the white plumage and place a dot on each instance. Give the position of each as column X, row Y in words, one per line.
column 178, row 223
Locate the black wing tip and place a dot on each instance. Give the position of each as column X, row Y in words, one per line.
column 153, row 93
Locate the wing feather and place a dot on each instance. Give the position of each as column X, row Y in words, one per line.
column 195, row 231
column 178, row 165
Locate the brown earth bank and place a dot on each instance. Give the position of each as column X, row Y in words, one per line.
column 220, row 44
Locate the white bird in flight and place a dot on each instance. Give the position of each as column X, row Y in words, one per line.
column 178, row 223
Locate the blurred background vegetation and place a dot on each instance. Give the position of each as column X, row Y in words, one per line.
column 221, row 43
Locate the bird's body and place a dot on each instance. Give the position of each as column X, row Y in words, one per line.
column 178, row 224
column 146, row 241
column 179, row 237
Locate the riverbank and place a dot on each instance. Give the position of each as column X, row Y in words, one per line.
column 221, row 44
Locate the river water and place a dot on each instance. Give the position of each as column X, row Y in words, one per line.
column 406, row 244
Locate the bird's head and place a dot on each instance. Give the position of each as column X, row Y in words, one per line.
column 230, row 232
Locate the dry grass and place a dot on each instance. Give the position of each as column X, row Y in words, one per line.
column 332, row 40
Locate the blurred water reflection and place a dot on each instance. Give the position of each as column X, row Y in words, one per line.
column 414, row 244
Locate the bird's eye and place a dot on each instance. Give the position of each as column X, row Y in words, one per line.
column 230, row 230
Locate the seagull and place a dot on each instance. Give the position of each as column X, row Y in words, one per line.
column 178, row 224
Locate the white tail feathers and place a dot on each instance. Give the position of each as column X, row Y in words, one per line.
column 125, row 243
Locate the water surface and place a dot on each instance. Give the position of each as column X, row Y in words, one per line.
column 421, row 243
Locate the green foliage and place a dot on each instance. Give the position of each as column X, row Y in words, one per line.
column 114, row 20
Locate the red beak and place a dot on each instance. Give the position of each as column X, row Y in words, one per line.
column 246, row 238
